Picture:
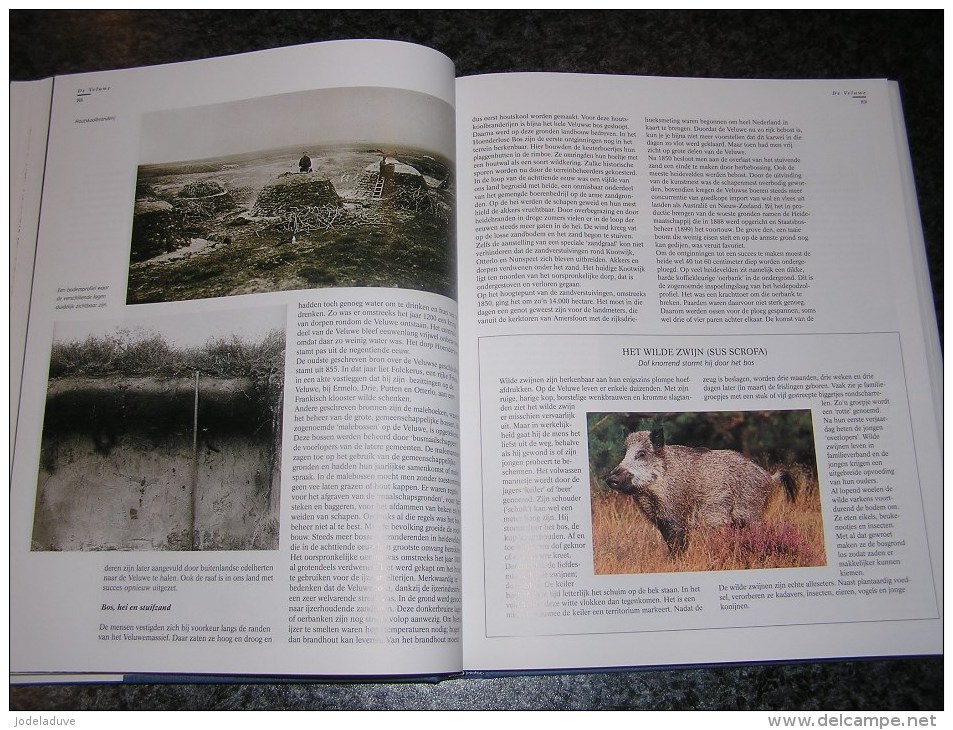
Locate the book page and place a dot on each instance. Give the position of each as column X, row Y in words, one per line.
column 692, row 329
column 29, row 124
column 239, row 450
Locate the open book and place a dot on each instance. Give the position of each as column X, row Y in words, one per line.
column 328, row 363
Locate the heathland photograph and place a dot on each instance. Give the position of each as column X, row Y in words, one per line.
column 163, row 433
column 704, row 491
column 345, row 187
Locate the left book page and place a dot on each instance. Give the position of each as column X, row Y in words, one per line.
column 237, row 447
column 29, row 127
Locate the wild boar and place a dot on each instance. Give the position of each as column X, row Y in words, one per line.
column 681, row 487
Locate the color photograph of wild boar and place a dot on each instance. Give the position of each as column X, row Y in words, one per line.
column 339, row 188
column 704, row 491
column 156, row 442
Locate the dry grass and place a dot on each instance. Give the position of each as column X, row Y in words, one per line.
column 791, row 536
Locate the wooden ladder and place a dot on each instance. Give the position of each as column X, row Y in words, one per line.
column 378, row 187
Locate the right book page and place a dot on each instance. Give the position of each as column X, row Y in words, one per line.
column 699, row 383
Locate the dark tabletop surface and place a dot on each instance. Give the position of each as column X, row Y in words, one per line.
column 904, row 46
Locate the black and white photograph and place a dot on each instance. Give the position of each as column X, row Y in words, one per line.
column 331, row 188
column 163, row 433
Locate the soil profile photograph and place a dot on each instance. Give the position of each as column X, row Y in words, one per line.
column 704, row 491
column 163, row 434
column 332, row 188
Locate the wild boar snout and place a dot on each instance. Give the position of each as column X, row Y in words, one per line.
column 619, row 479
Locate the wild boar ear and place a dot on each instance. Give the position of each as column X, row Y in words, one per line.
column 657, row 437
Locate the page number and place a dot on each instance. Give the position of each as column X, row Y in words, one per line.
column 852, row 95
